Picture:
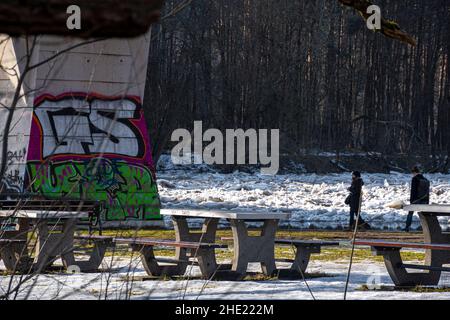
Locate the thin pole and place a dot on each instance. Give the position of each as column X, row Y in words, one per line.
column 355, row 232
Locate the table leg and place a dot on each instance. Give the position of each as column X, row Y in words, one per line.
column 51, row 245
column 183, row 233
column 96, row 254
column 152, row 266
column 254, row 248
column 302, row 257
column 433, row 258
column 15, row 253
column 206, row 257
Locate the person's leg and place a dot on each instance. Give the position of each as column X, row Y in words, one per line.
column 409, row 221
column 362, row 223
column 360, row 220
column 352, row 218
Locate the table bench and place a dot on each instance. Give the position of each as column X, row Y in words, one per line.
column 246, row 248
column 54, row 222
column 191, row 253
column 397, row 269
column 436, row 245
column 186, row 251
column 10, row 253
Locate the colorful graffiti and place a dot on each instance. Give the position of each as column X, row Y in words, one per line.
column 94, row 147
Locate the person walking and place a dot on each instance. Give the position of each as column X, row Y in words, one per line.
column 354, row 200
column 420, row 193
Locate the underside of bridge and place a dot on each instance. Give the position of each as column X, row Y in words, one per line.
column 99, row 18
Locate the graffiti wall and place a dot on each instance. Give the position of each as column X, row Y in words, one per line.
column 96, row 147
column 78, row 129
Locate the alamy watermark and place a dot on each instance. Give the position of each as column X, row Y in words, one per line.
column 374, row 20
column 74, row 20
column 235, row 151
column 374, row 280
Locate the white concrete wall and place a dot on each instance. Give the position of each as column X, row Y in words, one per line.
column 13, row 59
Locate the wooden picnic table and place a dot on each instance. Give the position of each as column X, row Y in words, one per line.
column 436, row 245
column 246, row 248
column 54, row 232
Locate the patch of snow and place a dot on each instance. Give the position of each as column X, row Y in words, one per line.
column 92, row 286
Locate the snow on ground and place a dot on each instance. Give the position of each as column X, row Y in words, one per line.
column 314, row 200
column 331, row 286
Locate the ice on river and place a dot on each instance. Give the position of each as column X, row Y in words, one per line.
column 313, row 200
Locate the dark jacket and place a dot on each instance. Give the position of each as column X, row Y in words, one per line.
column 420, row 190
column 355, row 193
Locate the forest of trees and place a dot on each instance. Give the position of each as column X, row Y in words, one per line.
column 308, row 67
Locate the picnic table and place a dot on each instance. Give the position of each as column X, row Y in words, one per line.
column 436, row 244
column 246, row 248
column 54, row 231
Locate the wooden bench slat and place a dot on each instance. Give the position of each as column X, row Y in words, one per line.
column 54, row 205
column 2, row 241
column 168, row 243
column 151, row 242
column 298, row 242
column 60, row 201
column 423, row 267
column 175, row 261
column 285, row 260
column 48, row 208
column 40, row 214
column 94, row 237
column 305, row 242
column 412, row 245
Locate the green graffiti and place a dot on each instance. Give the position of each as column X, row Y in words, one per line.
column 129, row 191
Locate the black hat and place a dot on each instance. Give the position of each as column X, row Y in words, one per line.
column 356, row 174
column 415, row 169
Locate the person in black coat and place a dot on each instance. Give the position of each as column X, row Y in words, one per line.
column 354, row 199
column 420, row 193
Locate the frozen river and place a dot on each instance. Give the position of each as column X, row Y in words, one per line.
column 314, row 200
